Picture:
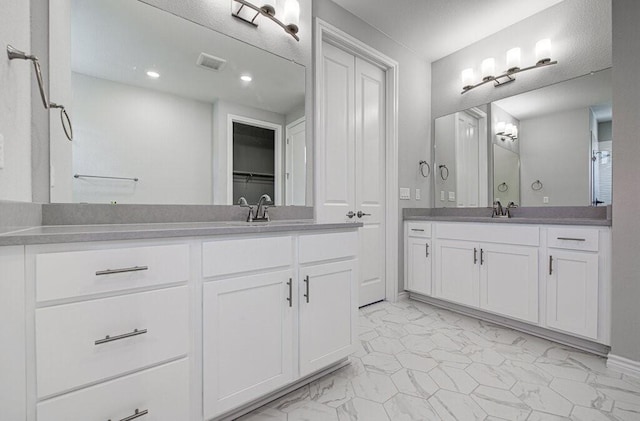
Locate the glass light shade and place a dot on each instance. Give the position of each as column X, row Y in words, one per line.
column 291, row 12
column 488, row 68
column 508, row 130
column 500, row 127
column 514, row 132
column 543, row 50
column 467, row 77
column 513, row 58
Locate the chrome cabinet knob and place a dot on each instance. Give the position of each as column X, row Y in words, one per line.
column 361, row 214
column 351, row 214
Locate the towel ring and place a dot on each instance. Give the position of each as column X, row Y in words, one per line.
column 422, row 165
column 503, row 187
column 536, row 185
column 444, row 172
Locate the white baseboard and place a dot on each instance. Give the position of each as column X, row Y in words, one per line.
column 624, row 365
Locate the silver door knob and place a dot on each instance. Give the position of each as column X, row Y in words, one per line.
column 361, row 214
column 351, row 214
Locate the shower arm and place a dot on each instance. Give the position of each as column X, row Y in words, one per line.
column 13, row 54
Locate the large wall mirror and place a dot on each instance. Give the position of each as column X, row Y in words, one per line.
column 547, row 147
column 166, row 111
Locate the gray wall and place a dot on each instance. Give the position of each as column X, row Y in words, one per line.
column 558, row 157
column 414, row 104
column 580, row 31
column 626, row 173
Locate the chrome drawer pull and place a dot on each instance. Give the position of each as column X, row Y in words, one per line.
column 417, row 229
column 306, row 281
column 108, row 338
column 571, row 239
column 123, row 270
column 290, row 297
column 135, row 415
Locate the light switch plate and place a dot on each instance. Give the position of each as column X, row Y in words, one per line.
column 442, row 195
column 405, row 193
column 452, row 196
column 417, row 194
column 1, row 151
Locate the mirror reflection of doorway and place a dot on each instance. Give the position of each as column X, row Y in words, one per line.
column 253, row 162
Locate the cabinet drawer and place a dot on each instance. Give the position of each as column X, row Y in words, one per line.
column 336, row 245
column 225, row 257
column 71, row 345
column 573, row 238
column 162, row 391
column 419, row 229
column 80, row 273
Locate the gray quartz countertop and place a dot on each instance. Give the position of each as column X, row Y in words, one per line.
column 110, row 232
column 514, row 220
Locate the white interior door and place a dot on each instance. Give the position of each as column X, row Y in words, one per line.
column 335, row 186
column 351, row 159
column 370, row 178
column 296, row 164
column 467, row 160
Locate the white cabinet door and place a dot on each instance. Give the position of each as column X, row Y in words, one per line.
column 248, row 339
column 572, row 292
column 509, row 280
column 419, row 254
column 457, row 271
column 328, row 314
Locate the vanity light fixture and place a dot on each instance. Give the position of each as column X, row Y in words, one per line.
column 153, row 74
column 506, row 131
column 291, row 15
column 513, row 62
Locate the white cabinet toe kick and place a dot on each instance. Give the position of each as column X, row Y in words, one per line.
column 192, row 329
column 551, row 281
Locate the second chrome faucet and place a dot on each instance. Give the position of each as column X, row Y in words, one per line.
column 262, row 207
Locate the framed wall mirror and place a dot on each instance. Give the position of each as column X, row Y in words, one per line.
column 170, row 112
column 547, row 147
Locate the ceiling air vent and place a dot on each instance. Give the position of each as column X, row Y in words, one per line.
column 210, row 62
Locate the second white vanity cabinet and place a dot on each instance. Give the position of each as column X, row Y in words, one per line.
column 553, row 277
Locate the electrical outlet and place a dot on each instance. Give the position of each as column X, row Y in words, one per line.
column 1, row 151
column 417, row 194
column 452, row 196
column 545, row 199
column 442, row 195
column 405, row 193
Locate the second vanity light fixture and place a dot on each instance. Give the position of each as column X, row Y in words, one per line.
column 488, row 67
column 291, row 15
column 506, row 131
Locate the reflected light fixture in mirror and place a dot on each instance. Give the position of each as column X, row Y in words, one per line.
column 506, row 131
column 291, row 15
column 513, row 62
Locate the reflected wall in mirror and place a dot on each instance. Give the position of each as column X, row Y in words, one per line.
column 182, row 109
column 564, row 141
column 547, row 147
column 506, row 175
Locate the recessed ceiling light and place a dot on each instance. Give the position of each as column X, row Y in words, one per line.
column 246, row 78
column 153, row 75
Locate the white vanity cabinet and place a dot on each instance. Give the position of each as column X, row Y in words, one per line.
column 419, row 257
column 553, row 277
column 573, row 281
column 271, row 323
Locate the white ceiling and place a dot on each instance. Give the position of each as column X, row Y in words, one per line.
column 437, row 28
column 590, row 91
column 120, row 40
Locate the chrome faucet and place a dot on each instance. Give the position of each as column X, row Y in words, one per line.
column 243, row 204
column 261, row 210
column 498, row 211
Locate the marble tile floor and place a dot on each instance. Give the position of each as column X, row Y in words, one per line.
column 416, row 362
